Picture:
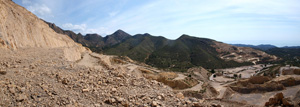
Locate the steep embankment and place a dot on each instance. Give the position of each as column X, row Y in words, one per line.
column 20, row 28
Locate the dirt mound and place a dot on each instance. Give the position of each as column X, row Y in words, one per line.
column 260, row 84
column 259, row 79
column 179, row 84
column 207, row 91
column 168, row 79
column 256, row 88
column 257, row 84
column 290, row 82
column 291, row 72
column 199, row 73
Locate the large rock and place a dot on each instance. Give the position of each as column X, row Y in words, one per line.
column 287, row 102
column 279, row 100
column 2, row 72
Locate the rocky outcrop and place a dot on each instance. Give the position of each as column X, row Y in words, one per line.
column 20, row 28
column 279, row 100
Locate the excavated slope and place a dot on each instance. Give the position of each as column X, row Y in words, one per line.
column 19, row 28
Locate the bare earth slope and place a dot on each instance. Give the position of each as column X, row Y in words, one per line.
column 36, row 77
column 20, row 28
column 242, row 54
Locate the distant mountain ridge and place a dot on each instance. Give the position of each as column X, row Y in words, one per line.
column 289, row 54
column 261, row 47
column 94, row 41
column 264, row 46
column 177, row 55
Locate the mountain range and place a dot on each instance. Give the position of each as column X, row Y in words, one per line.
column 261, row 47
column 44, row 65
column 264, row 47
column 176, row 55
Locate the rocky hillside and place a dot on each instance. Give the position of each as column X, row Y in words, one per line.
column 261, row 47
column 243, row 54
column 289, row 54
column 94, row 41
column 177, row 55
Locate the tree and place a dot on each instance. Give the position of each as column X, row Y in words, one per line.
column 240, row 76
column 235, row 75
column 212, row 71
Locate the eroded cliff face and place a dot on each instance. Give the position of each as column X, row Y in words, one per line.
column 19, row 28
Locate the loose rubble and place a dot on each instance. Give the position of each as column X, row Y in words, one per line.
column 42, row 77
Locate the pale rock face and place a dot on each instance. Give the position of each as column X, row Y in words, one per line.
column 19, row 28
column 75, row 53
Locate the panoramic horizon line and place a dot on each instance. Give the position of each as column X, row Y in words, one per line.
column 169, row 38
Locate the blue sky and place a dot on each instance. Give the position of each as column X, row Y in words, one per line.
column 255, row 22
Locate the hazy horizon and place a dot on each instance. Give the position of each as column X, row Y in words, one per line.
column 254, row 22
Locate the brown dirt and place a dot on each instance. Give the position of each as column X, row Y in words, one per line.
column 256, row 84
column 291, row 72
column 259, row 79
column 43, row 77
column 168, row 79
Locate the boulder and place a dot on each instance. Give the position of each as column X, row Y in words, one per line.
column 180, row 95
column 2, row 72
column 287, row 102
column 279, row 100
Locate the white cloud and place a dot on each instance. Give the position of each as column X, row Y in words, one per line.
column 82, row 28
column 40, row 10
column 76, row 28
